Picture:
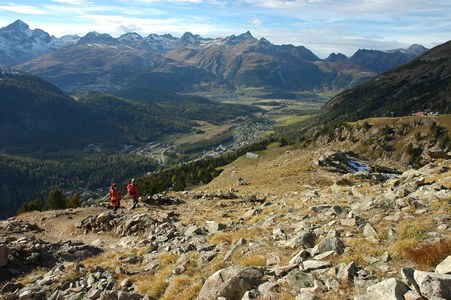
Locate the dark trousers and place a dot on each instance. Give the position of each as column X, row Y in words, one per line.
column 135, row 203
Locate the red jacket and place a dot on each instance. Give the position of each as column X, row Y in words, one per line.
column 132, row 190
column 114, row 197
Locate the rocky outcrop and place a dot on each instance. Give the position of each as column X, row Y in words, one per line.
column 20, row 256
column 231, row 283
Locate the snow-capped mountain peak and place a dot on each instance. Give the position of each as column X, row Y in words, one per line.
column 18, row 43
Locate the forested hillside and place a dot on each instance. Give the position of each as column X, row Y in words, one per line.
column 72, row 139
column 38, row 118
column 26, row 179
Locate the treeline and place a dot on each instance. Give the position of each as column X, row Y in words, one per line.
column 55, row 200
column 26, row 179
column 193, row 173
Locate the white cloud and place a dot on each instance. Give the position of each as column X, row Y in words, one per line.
column 256, row 21
column 129, row 28
column 73, row 2
column 23, row 9
column 170, row 1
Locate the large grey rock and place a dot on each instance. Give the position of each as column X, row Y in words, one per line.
column 298, row 280
column 445, row 266
column 305, row 239
column 390, row 289
column 307, row 295
column 311, row 264
column 231, row 283
column 192, row 230
column 298, row 258
column 122, row 295
column 269, row 290
column 94, row 294
column 429, row 284
column 330, row 243
column 369, row 230
column 214, row 227
column 282, row 271
column 347, row 272
column 103, row 217
column 4, row 252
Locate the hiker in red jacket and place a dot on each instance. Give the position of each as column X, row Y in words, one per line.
column 114, row 197
column 132, row 190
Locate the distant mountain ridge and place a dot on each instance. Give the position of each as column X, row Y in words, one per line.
column 101, row 62
column 18, row 43
column 424, row 84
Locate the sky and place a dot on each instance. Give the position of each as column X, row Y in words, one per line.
column 322, row 26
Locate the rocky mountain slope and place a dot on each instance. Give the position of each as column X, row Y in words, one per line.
column 101, row 62
column 294, row 223
column 18, row 43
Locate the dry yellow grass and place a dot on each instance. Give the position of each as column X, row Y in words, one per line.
column 415, row 228
column 153, row 285
column 358, row 250
column 249, row 260
column 108, row 260
column 183, row 288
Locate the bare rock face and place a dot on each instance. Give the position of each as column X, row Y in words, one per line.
column 231, row 283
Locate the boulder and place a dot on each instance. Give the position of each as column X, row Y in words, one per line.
column 298, row 258
column 103, row 217
column 4, row 252
column 298, row 280
column 369, row 231
column 231, row 283
column 192, row 230
column 311, row 264
column 214, row 227
column 347, row 272
column 390, row 289
column 304, row 239
column 330, row 243
column 430, row 284
column 445, row 266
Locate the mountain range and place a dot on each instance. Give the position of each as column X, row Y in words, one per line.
column 189, row 63
column 18, row 43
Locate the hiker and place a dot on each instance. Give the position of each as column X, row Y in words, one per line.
column 132, row 190
column 114, row 197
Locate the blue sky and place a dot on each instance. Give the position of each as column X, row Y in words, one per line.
column 323, row 26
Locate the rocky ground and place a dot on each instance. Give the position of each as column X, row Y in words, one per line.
column 291, row 224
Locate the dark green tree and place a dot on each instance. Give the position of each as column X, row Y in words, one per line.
column 56, row 199
column 35, row 205
column 74, row 201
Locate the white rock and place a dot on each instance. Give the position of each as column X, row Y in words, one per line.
column 445, row 266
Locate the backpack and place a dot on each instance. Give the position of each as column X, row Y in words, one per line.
column 130, row 190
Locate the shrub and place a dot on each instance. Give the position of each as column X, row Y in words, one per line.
column 35, row 205
column 429, row 255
